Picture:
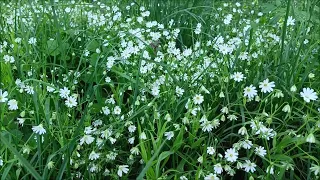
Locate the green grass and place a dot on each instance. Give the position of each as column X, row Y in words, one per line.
column 134, row 82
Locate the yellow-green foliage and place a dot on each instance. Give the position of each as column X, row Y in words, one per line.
column 6, row 76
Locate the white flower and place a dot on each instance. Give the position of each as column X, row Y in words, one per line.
column 39, row 129
column 290, row 21
column 132, row 128
column 286, row 108
column 88, row 139
column 94, row 156
column 198, row 29
column 13, row 104
column 50, row 89
column 315, row 169
column 310, row 138
column 250, row 91
column 308, row 94
column 71, row 101
column 179, row 91
column 238, row 76
column 134, row 150
column 143, row 136
column 211, row 177
column 218, row 168
column 50, row 164
column 242, row 131
column 117, row 110
column 67, row 10
column 64, row 93
column 249, row 166
column 169, row 135
column 270, row 169
column 183, row 178
column 207, row 126
column 293, row 88
column 1, row 162
column 198, row 99
column 3, row 96
column 21, row 121
column 246, row 144
column 29, row 89
column 131, row 140
column 231, row 155
column 105, row 110
column 260, row 151
column 32, row 41
column 211, row 150
column 266, row 86
column 8, row 59
column 122, row 169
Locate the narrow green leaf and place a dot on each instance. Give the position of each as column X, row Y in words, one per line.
column 23, row 161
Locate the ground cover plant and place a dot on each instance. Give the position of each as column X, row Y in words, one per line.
column 159, row 90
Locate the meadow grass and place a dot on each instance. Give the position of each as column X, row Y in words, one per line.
column 154, row 89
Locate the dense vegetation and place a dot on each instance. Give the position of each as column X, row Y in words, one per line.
column 160, row 89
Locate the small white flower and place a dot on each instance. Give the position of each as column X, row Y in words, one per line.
column 249, row 166
column 105, row 110
column 32, row 41
column 211, row 150
column 260, row 151
column 238, row 76
column 122, row 169
column 211, row 177
column 198, row 99
column 13, row 104
column 291, row 21
column 310, row 138
column 131, row 140
column 143, row 136
column 94, row 156
column 67, row 10
column 231, row 155
column 117, row 110
column 179, row 91
column 21, row 121
column 266, row 86
column 71, row 101
column 132, row 128
column 293, row 88
column 39, row 129
column 50, row 164
column 200, row 159
column 50, row 89
column 134, row 150
column 218, row 168
column 29, row 89
column 242, row 131
column 315, row 169
column 3, row 96
column 250, row 91
column 88, row 139
column 183, row 178
column 246, row 144
column 169, row 135
column 64, row 93
column 308, row 94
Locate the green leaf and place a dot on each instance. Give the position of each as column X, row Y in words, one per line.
column 53, row 47
column 150, row 162
column 162, row 156
column 179, row 140
column 23, row 161
column 93, row 45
